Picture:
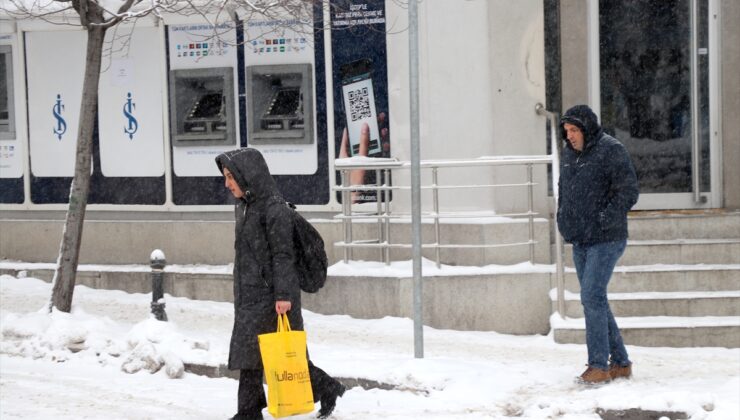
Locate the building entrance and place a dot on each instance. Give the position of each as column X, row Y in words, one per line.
column 657, row 100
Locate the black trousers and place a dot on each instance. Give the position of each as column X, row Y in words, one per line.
column 251, row 397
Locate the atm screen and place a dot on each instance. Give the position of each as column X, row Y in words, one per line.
column 207, row 106
column 285, row 102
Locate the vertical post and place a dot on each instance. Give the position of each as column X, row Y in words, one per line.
column 530, row 211
column 435, row 194
column 559, row 270
column 379, row 211
column 157, row 262
column 387, row 219
column 555, row 149
column 415, row 175
column 346, row 213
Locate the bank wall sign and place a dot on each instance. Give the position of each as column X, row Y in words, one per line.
column 61, row 123
column 132, row 125
column 54, row 101
column 130, row 109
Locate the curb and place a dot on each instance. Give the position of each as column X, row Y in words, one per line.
column 221, row 371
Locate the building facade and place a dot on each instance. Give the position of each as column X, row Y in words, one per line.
column 173, row 96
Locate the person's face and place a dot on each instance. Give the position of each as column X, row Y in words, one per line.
column 231, row 184
column 575, row 136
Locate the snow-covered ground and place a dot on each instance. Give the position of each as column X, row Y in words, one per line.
column 464, row 375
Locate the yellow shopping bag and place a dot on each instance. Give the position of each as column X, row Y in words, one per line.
column 286, row 371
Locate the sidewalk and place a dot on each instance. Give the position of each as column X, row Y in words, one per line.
column 463, row 375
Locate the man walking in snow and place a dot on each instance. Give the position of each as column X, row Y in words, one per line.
column 266, row 281
column 598, row 186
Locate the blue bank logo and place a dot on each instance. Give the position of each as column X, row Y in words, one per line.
column 61, row 127
column 133, row 124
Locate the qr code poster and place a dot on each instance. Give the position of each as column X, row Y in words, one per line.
column 359, row 67
column 360, row 111
column 365, row 131
column 359, row 104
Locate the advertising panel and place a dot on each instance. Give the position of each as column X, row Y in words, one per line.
column 360, row 77
column 56, row 63
column 130, row 106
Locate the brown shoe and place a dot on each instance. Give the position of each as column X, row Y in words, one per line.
column 616, row 371
column 593, row 376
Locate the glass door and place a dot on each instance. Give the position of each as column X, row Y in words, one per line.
column 656, row 98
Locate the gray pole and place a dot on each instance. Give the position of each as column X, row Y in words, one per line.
column 415, row 177
column 158, row 262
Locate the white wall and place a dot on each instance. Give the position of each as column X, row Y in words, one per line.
column 518, row 83
column 481, row 67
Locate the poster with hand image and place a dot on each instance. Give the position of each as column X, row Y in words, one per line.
column 360, row 77
column 358, row 100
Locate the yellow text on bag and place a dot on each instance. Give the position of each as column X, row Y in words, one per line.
column 286, row 371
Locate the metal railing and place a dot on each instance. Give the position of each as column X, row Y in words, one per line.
column 383, row 214
column 555, row 149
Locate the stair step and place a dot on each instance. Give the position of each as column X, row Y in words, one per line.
column 675, row 251
column 650, row 296
column 684, row 224
column 659, row 331
column 667, row 278
column 688, row 304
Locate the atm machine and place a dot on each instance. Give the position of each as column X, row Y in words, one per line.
column 201, row 107
column 281, row 99
column 203, row 112
column 11, row 150
column 273, row 65
column 280, row 104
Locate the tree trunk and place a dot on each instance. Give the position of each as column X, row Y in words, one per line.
column 66, row 270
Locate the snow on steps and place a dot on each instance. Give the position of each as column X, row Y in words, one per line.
column 659, row 331
column 677, row 251
column 662, row 305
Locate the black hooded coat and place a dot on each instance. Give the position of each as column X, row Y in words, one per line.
column 264, row 262
column 598, row 185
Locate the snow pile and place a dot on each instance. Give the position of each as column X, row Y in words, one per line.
column 149, row 345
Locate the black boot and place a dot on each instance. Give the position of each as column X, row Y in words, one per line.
column 329, row 400
column 238, row 416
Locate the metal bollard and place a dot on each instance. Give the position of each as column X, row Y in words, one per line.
column 157, row 263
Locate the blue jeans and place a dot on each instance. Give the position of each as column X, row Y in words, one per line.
column 594, row 266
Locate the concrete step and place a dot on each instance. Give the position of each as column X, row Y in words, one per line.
column 193, row 282
column 667, row 278
column 678, row 304
column 645, row 225
column 450, row 301
column 675, row 251
column 659, row 331
column 480, row 241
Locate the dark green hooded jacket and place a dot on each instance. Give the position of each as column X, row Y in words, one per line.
column 598, row 185
column 264, row 262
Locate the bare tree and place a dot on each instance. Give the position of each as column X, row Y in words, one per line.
column 96, row 17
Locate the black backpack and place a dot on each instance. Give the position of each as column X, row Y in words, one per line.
column 310, row 254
